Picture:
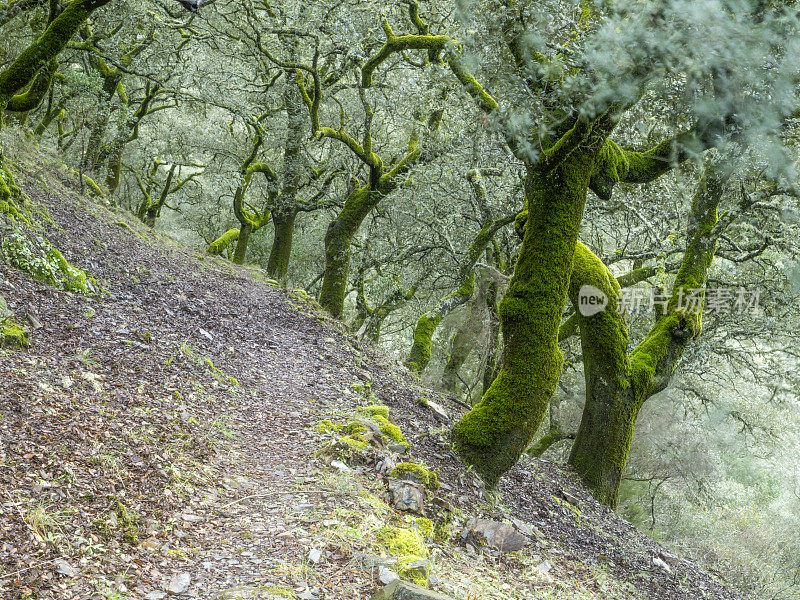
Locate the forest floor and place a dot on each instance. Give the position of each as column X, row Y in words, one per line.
column 163, row 441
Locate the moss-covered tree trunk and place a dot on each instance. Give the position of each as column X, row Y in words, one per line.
column 494, row 434
column 460, row 347
column 241, row 243
column 338, row 238
column 281, row 251
column 617, row 384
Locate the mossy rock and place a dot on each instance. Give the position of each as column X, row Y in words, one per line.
column 13, row 335
column 390, row 430
column 408, row 547
column 417, row 473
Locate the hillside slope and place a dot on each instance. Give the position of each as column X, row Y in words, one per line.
column 196, row 432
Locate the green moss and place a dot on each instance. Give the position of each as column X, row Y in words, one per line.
column 390, row 430
column 13, row 335
column 222, row 243
column 38, row 258
column 128, row 521
column 419, row 473
column 402, row 542
column 374, row 410
column 407, row 545
column 328, row 426
column 425, row 527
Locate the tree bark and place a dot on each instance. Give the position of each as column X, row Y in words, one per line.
column 618, row 384
column 278, row 264
column 494, row 434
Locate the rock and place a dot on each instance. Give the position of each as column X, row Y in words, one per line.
column 403, row 590
column 179, row 583
column 340, row 466
column 417, row 570
column 398, row 448
column 406, row 495
column 151, row 544
column 373, row 561
column 522, row 526
column 31, row 319
column 315, row 555
column 570, row 498
column 64, row 568
column 386, row 465
column 438, row 411
column 661, row 564
column 496, row 535
column 672, row 560
column 191, row 518
column 544, row 567
column 5, row 312
column 249, row 592
column 386, row 576
column 155, row 596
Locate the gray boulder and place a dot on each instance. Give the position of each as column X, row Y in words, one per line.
column 403, row 590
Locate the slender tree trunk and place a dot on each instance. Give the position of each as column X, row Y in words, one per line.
column 460, row 346
column 241, row 243
column 278, row 264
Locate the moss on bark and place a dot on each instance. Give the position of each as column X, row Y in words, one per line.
column 281, row 251
column 494, row 434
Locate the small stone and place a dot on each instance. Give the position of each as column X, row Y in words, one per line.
column 669, row 558
column 155, row 596
column 406, row 495
column 497, row 535
column 191, row 518
column 5, row 312
column 206, row 334
column 661, row 564
column 398, row 448
column 386, row 576
column 64, row 568
column 522, row 526
column 386, row 465
column 340, row 466
column 315, row 555
column 544, row 567
column 32, row 320
column 151, row 544
column 179, row 583
column 438, row 411
column 570, row 498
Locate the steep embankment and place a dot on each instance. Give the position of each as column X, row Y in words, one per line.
column 170, row 438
